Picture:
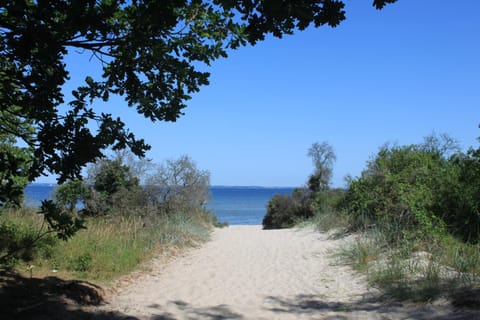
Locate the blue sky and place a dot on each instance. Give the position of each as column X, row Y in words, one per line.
column 395, row 75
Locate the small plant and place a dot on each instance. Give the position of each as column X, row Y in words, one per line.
column 359, row 254
column 82, row 263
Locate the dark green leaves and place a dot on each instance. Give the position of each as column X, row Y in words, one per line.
column 153, row 53
column 379, row 4
column 60, row 220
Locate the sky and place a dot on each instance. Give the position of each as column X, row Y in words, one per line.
column 390, row 76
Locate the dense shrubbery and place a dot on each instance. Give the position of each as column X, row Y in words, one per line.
column 399, row 187
column 420, row 190
column 459, row 205
column 417, row 207
column 284, row 211
column 113, row 188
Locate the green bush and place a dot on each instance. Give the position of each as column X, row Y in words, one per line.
column 459, row 201
column 284, row 211
column 71, row 193
column 400, row 188
column 114, row 188
column 421, row 190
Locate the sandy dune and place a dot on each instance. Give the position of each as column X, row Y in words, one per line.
column 248, row 273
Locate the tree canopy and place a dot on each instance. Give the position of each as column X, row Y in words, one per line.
column 153, row 54
column 323, row 158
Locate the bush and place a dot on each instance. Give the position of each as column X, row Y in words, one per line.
column 399, row 187
column 459, row 201
column 114, row 189
column 284, row 211
column 421, row 190
column 71, row 193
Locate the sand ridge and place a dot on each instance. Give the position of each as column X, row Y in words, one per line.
column 245, row 272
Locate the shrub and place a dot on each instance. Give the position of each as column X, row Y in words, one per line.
column 71, row 193
column 459, row 201
column 399, row 187
column 113, row 187
column 284, row 211
column 422, row 190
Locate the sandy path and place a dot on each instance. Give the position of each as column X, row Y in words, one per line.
column 248, row 273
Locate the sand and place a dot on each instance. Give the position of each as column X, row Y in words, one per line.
column 245, row 272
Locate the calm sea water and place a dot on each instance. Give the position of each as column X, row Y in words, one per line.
column 235, row 205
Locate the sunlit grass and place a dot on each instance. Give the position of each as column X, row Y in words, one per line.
column 108, row 247
column 415, row 270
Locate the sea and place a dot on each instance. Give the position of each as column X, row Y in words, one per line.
column 237, row 205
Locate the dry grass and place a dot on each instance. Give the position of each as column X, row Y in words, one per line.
column 107, row 248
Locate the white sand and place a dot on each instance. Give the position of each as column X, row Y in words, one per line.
column 245, row 272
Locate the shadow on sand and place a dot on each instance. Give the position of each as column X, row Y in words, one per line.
column 220, row 312
column 372, row 308
column 55, row 298
column 50, row 298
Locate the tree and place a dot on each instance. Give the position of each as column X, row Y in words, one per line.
column 15, row 161
column 323, row 159
column 153, row 55
column 113, row 187
column 179, row 184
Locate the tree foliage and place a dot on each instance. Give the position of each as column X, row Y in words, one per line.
column 113, row 187
column 323, row 158
column 179, row 185
column 283, row 211
column 423, row 189
column 153, row 54
column 15, row 161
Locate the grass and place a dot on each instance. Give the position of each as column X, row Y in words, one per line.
column 108, row 248
column 414, row 270
column 327, row 220
column 409, row 268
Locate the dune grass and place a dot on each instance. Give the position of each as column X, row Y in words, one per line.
column 109, row 246
column 408, row 268
column 414, row 270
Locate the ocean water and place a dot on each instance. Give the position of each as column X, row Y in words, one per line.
column 235, row 205
column 242, row 205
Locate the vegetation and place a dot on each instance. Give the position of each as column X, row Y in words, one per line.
column 284, row 211
column 154, row 55
column 415, row 207
column 125, row 223
column 15, row 161
column 110, row 246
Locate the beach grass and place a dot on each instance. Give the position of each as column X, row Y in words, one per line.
column 109, row 247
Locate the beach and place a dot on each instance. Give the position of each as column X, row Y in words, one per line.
column 245, row 272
